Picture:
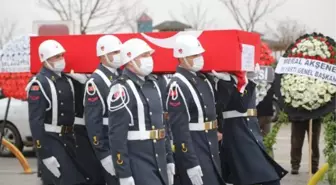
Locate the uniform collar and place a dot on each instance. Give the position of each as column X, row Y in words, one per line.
column 133, row 77
column 188, row 74
column 50, row 74
column 108, row 73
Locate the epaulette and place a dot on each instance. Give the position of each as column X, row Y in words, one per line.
column 152, row 77
column 201, row 75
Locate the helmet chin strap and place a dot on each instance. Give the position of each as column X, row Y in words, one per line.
column 187, row 63
column 137, row 68
column 108, row 61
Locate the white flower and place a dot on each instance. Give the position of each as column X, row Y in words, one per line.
column 328, row 54
column 319, row 52
column 323, row 56
column 324, row 47
column 312, row 53
column 304, row 53
column 294, row 50
column 327, row 97
column 331, row 89
column 301, row 87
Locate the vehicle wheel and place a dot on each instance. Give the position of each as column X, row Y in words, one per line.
column 12, row 135
column 276, row 111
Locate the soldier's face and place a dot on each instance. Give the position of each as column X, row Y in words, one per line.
column 144, row 55
column 55, row 59
column 189, row 60
column 110, row 56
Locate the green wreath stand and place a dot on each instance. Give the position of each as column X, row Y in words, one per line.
column 270, row 138
column 329, row 122
column 329, row 151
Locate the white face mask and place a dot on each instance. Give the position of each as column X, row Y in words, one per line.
column 198, row 64
column 58, row 66
column 116, row 61
column 146, row 66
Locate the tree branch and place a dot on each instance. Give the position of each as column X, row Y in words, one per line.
column 254, row 11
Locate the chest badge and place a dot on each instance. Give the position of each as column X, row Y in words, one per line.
column 111, row 78
column 53, row 78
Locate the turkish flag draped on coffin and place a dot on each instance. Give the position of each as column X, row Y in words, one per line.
column 225, row 50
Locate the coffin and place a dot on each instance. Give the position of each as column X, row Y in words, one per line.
column 226, row 50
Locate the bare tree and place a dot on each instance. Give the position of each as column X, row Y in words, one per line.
column 195, row 15
column 250, row 12
column 131, row 17
column 286, row 31
column 7, row 31
column 91, row 15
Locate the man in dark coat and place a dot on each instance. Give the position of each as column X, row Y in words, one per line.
column 244, row 160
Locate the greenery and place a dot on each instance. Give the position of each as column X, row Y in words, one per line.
column 270, row 138
column 329, row 122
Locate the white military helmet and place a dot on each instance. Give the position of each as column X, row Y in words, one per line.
column 132, row 49
column 187, row 45
column 107, row 44
column 50, row 48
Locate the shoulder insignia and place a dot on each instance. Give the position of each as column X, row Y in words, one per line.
column 35, row 88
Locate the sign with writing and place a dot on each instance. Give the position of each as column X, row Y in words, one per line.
column 307, row 67
column 247, row 57
column 266, row 73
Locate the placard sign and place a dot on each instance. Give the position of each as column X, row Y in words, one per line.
column 266, row 73
column 307, row 67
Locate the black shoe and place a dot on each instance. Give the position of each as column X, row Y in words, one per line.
column 295, row 171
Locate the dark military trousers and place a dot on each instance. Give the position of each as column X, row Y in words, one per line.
column 299, row 128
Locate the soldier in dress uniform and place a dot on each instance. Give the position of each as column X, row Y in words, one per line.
column 85, row 153
column 96, row 112
column 192, row 116
column 136, row 129
column 51, row 117
column 244, row 160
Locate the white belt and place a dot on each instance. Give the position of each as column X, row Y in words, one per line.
column 236, row 114
column 52, row 128
column 146, row 135
column 105, row 121
column 79, row 121
column 203, row 126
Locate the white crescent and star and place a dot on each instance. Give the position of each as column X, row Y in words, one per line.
column 169, row 42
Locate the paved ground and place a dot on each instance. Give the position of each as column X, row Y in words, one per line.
column 11, row 172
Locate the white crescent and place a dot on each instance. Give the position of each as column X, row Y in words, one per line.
column 169, row 42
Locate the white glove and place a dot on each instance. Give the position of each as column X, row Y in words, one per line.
column 52, row 164
column 127, row 181
column 171, row 173
column 108, row 165
column 195, row 175
column 223, row 75
column 81, row 78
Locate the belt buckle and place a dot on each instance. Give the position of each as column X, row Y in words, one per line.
column 153, row 134
column 251, row 112
column 207, row 125
column 162, row 133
